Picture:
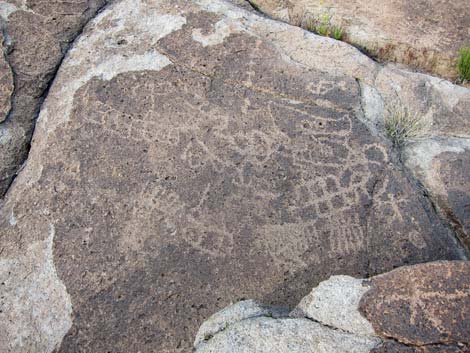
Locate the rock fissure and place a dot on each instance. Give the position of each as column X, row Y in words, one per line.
column 26, row 144
column 368, row 213
column 452, row 222
column 254, row 319
column 361, row 49
column 185, row 161
column 446, row 215
column 371, row 27
column 384, row 340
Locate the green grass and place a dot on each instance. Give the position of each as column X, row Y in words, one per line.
column 464, row 64
column 337, row 33
column 402, row 125
column 324, row 27
column 311, row 25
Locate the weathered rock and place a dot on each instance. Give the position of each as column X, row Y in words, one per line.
column 245, row 4
column 335, row 303
column 38, row 34
column 422, row 34
column 444, row 168
column 267, row 335
column 6, row 83
column 233, row 330
column 190, row 154
column 243, row 310
column 443, row 110
column 442, row 107
column 38, row 294
column 421, row 305
column 425, row 307
column 395, row 347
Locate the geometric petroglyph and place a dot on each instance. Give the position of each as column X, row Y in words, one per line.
column 228, row 172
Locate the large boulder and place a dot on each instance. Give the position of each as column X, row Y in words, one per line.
column 189, row 154
column 35, row 37
column 415, row 309
column 423, row 34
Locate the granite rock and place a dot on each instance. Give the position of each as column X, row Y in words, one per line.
column 425, row 35
column 191, row 154
column 415, row 309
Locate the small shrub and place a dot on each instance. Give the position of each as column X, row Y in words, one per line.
column 324, row 27
column 401, row 124
column 464, row 64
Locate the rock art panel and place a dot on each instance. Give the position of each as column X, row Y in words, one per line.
column 185, row 162
column 421, row 305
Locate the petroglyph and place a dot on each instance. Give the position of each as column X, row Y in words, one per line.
column 178, row 183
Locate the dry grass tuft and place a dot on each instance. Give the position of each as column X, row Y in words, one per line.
column 402, row 125
column 464, row 64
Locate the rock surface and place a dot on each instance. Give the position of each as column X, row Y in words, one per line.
column 425, row 307
column 444, row 168
column 243, row 310
column 267, row 335
column 190, row 154
column 443, row 113
column 421, row 305
column 6, row 84
column 335, row 303
column 36, row 34
column 422, row 34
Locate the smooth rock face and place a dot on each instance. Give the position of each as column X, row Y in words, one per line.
column 420, row 305
column 38, row 34
column 423, row 34
column 185, row 161
column 415, row 309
